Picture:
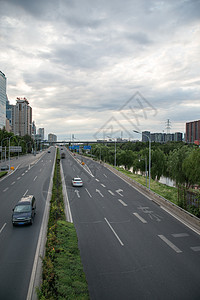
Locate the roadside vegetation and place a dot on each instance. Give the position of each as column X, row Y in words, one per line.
column 176, row 160
column 3, row 173
column 63, row 276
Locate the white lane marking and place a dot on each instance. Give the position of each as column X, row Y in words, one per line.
column 105, row 175
column 170, row 244
column 88, row 193
column 23, row 174
column 26, row 171
column 98, row 191
column 13, row 183
column 111, row 192
column 122, row 202
column 97, row 179
column 18, row 178
column 77, row 192
column 114, row 231
column 5, row 189
column 25, row 193
column 119, row 192
column 2, row 228
column 197, row 248
column 40, row 170
column 103, row 185
column 35, row 178
column 177, row 235
column 181, row 220
column 140, row 218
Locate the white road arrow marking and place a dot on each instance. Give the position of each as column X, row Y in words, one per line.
column 119, row 192
column 77, row 192
column 98, row 191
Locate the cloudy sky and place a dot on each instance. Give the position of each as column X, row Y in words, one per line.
column 96, row 68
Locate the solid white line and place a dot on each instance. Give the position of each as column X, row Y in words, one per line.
column 35, row 178
column 113, row 231
column 122, row 202
column 2, row 228
column 103, row 185
column 180, row 220
column 5, row 189
column 88, row 193
column 65, row 196
column 37, row 265
column 170, row 244
column 25, row 193
column 111, row 192
column 140, row 218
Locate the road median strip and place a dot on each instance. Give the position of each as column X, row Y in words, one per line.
column 62, row 276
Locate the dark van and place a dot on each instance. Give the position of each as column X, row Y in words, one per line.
column 24, row 211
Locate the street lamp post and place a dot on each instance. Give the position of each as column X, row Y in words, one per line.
column 149, row 155
column 2, row 147
column 115, row 149
column 9, row 149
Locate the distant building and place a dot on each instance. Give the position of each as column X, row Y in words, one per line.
column 22, row 118
column 145, row 135
column 52, row 138
column 3, row 98
column 41, row 133
column 159, row 137
column 178, row 137
column 193, row 132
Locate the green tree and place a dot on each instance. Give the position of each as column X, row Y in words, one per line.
column 191, row 167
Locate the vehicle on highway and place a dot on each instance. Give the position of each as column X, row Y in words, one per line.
column 77, row 181
column 62, row 155
column 4, row 168
column 25, row 210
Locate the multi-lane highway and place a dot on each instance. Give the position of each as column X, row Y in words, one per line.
column 18, row 244
column 130, row 247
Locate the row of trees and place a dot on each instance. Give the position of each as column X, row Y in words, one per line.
column 177, row 161
column 26, row 142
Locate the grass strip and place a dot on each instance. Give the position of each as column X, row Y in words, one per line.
column 62, row 276
column 168, row 192
column 3, row 173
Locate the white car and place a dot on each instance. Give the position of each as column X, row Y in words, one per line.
column 77, row 182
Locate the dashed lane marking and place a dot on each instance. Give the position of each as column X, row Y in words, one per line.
column 122, row 202
column 170, row 244
column 140, row 218
column 179, row 235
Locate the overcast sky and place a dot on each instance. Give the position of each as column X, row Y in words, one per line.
column 97, row 68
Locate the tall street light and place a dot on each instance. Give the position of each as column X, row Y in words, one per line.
column 149, row 154
column 115, row 148
column 2, row 148
column 9, row 149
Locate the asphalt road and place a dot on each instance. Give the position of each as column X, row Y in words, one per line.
column 18, row 244
column 130, row 247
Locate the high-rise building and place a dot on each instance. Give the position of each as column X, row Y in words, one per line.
column 52, row 138
column 22, row 117
column 41, row 133
column 193, row 132
column 3, row 98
